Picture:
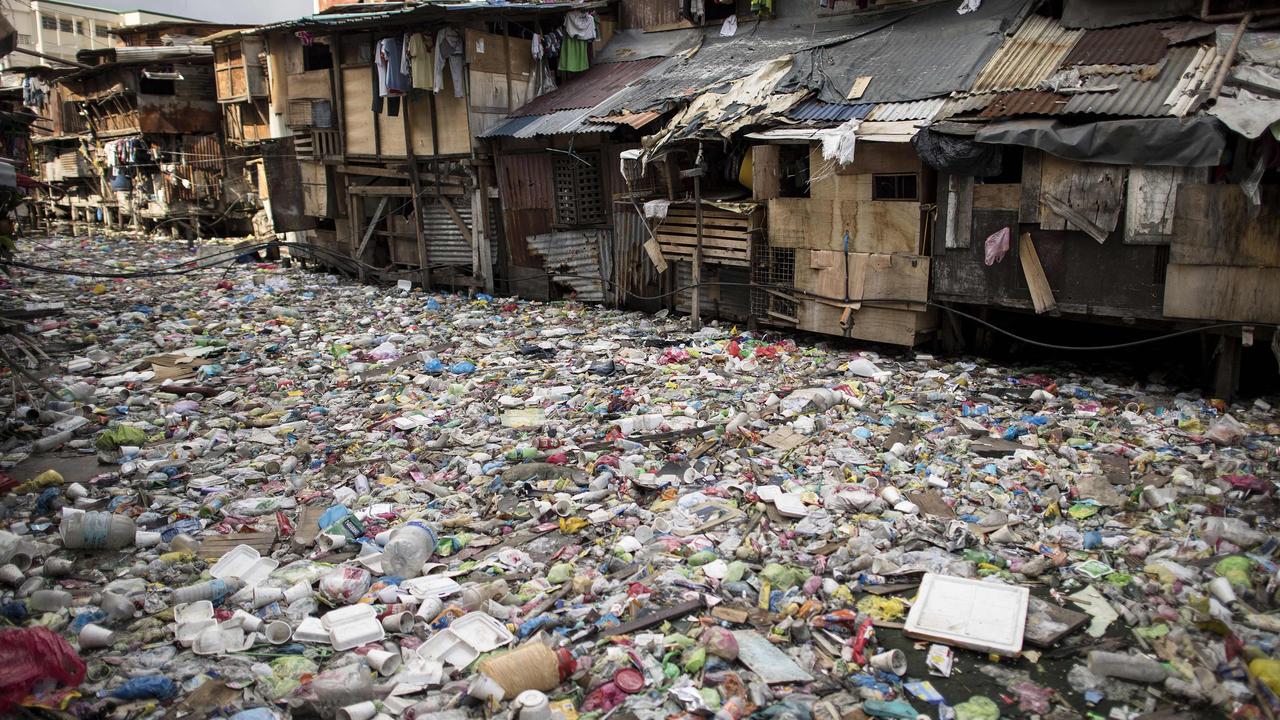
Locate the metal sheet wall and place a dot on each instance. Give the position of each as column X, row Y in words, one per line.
column 445, row 242
column 634, row 274
column 580, row 259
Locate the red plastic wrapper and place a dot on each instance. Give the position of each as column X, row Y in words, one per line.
column 30, row 655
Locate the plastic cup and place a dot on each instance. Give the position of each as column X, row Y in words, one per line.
column 146, row 538
column 430, row 608
column 533, row 705
column 385, row 663
column 95, row 636
column 296, row 592
column 279, row 632
column 891, row 661
column 1221, row 589
column 398, row 622
column 75, row 491
column 891, row 495
column 247, row 620
column 360, row 711
column 263, row 597
column 330, row 541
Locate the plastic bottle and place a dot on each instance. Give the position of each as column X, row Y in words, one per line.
column 97, row 531
column 52, row 442
column 208, row 590
column 1233, row 530
column 1126, row 667
column 409, row 548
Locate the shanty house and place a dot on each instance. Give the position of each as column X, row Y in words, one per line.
column 1116, row 169
column 396, row 175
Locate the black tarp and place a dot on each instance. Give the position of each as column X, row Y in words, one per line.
column 1091, row 14
column 1168, row 142
column 919, row 53
column 957, row 155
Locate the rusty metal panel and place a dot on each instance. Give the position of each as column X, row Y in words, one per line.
column 524, row 180
column 634, row 273
column 284, row 186
column 1029, row 56
column 1129, row 45
column 593, row 87
column 1136, row 97
column 163, row 114
column 1025, row 102
column 520, row 225
column 579, row 259
column 647, row 14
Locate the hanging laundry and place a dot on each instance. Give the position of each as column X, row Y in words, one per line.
column 573, row 55
column 449, row 49
column 389, row 56
column 34, row 92
column 580, row 25
column 544, row 47
column 419, row 58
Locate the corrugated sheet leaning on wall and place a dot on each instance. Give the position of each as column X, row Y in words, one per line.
column 581, row 259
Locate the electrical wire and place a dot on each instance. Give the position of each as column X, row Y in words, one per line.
column 204, row 263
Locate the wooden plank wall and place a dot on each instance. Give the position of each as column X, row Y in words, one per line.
column 1224, row 263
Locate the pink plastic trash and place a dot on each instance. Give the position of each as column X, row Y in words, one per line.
column 997, row 246
column 30, row 655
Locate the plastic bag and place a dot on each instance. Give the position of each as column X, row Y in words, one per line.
column 30, row 655
column 997, row 246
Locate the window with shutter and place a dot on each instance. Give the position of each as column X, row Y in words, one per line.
column 579, row 195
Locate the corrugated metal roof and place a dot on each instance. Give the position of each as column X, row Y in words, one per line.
column 417, row 12
column 1204, row 65
column 818, row 111
column 633, row 120
column 591, row 88
column 1130, row 45
column 1029, row 56
column 918, row 110
column 962, row 104
column 563, row 122
column 1182, row 71
column 1025, row 102
column 1135, row 98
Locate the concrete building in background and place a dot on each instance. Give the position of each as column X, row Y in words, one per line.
column 61, row 29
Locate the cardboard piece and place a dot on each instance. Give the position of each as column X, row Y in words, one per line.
column 983, row 616
column 1048, row 623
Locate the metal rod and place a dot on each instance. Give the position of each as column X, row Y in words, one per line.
column 1230, row 58
column 51, row 58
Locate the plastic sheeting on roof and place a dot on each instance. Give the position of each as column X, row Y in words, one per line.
column 1111, row 13
column 1167, row 142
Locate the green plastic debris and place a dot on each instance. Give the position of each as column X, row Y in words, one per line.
column 560, row 573
column 893, row 709
column 977, row 708
column 701, row 558
column 782, row 577
column 1236, row 569
column 118, row 436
